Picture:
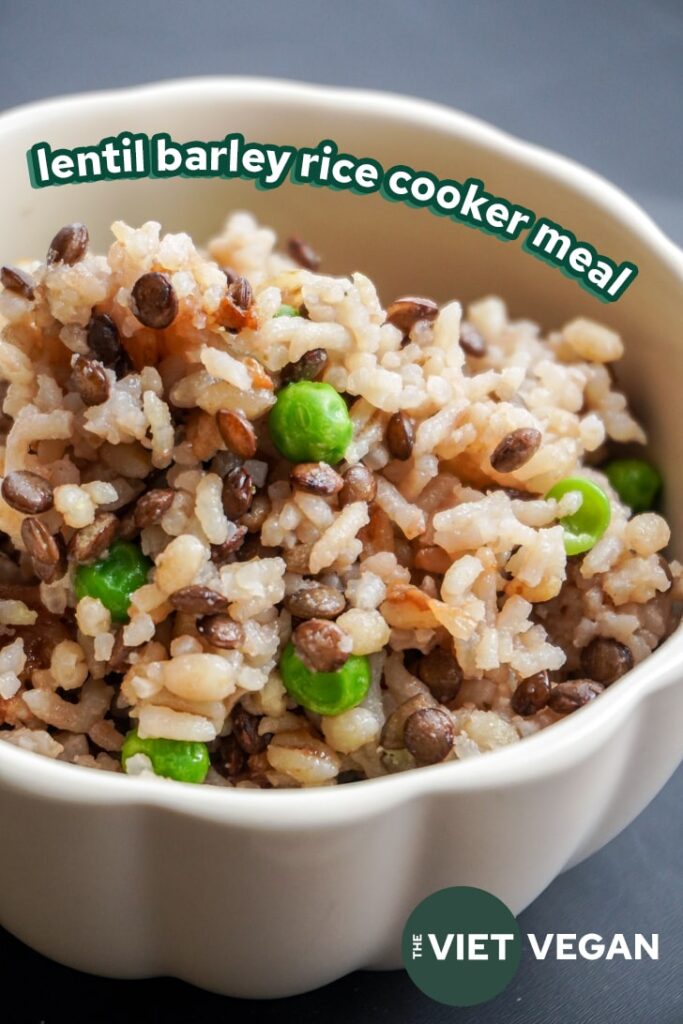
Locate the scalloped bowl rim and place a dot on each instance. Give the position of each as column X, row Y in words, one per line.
column 548, row 751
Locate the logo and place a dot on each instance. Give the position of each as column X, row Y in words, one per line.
column 461, row 946
column 466, row 202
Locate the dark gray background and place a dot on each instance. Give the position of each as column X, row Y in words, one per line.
column 599, row 82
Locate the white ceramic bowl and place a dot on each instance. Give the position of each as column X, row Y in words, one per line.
column 257, row 893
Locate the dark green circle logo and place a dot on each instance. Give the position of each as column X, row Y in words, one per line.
column 461, row 946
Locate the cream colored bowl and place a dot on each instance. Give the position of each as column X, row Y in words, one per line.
column 257, row 893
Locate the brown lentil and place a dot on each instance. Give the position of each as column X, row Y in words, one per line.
column 47, row 550
column 237, row 432
column 302, row 253
column 245, row 730
column 428, row 735
column 103, row 339
column 471, row 341
column 90, row 381
column 515, row 449
column 221, row 631
column 315, row 601
column 254, row 519
column 198, row 600
column 531, row 695
column 48, row 572
column 441, row 674
column 400, row 436
column 392, row 732
column 432, row 558
column 128, row 528
column 241, row 292
column 238, row 492
column 223, row 553
column 238, row 300
column 15, row 280
column 155, row 303
column 316, row 478
column 404, row 313
column 152, row 506
column 605, row 660
column 359, row 485
column 27, row 492
column 321, row 645
column 310, row 366
column 92, row 541
column 567, row 697
column 69, row 245
column 38, row 540
column 297, row 558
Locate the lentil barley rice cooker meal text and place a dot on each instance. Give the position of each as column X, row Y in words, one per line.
column 257, row 531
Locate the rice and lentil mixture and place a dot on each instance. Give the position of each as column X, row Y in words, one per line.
column 179, row 596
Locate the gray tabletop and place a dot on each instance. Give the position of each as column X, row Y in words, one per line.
column 599, row 82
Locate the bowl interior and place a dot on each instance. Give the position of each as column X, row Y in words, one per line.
column 404, row 250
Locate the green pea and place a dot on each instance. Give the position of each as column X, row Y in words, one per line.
column 310, row 423
column 114, row 578
column 584, row 528
column 325, row 693
column 285, row 310
column 636, row 482
column 183, row 760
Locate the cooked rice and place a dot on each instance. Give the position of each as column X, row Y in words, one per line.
column 451, row 557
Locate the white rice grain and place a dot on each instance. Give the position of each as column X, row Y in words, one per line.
column 339, row 537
